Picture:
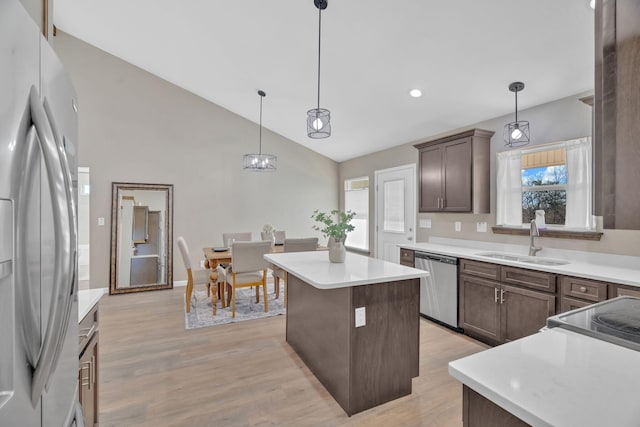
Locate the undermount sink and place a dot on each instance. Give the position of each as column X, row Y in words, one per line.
column 523, row 258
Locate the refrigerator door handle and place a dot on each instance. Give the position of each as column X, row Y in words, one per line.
column 70, row 292
column 27, row 292
column 64, row 238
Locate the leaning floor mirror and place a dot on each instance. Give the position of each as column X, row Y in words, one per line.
column 141, row 237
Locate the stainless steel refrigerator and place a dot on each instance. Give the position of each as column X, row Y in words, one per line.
column 38, row 261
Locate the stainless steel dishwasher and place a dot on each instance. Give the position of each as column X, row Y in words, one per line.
column 439, row 291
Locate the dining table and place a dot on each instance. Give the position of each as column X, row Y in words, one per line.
column 214, row 256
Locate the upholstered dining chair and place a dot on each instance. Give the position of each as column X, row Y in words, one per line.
column 197, row 276
column 236, row 237
column 248, row 269
column 291, row 245
column 279, row 236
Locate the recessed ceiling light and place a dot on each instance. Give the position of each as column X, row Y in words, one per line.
column 416, row 93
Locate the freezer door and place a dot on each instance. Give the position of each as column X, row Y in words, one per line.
column 19, row 71
column 58, row 97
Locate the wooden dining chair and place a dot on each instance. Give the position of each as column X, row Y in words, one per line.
column 197, row 276
column 248, row 269
column 291, row 245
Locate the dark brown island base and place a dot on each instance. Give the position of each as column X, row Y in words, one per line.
column 361, row 366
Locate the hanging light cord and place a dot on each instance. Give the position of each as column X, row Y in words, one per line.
column 260, row 138
column 319, row 38
column 516, row 106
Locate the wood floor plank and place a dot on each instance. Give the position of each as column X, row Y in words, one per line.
column 155, row 373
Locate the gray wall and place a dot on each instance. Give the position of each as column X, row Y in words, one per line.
column 563, row 119
column 136, row 127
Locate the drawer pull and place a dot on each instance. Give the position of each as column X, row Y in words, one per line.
column 583, row 289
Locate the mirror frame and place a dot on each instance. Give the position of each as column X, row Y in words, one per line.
column 116, row 189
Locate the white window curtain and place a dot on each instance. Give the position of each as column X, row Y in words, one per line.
column 509, row 186
column 578, row 183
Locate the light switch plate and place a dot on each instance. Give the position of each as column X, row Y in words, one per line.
column 458, row 226
column 101, row 221
column 361, row 317
column 425, row 223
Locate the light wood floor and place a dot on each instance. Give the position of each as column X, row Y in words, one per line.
column 154, row 373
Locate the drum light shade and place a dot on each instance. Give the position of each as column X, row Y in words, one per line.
column 260, row 162
column 319, row 119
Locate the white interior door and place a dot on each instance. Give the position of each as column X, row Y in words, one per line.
column 395, row 210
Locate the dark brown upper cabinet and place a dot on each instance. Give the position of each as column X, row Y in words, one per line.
column 616, row 112
column 454, row 173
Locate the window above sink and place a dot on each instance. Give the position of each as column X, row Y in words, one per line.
column 553, row 178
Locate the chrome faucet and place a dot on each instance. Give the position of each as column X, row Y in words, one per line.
column 533, row 232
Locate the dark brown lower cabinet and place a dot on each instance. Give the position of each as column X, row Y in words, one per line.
column 88, row 378
column 478, row 411
column 479, row 311
column 621, row 290
column 523, row 311
column 495, row 312
column 88, row 367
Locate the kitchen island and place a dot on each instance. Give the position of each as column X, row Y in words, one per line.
column 354, row 324
column 554, row 378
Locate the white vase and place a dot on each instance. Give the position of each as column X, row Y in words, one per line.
column 337, row 252
column 330, row 242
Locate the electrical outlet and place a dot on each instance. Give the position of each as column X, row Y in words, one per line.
column 361, row 317
column 425, row 223
column 458, row 226
column 101, row 221
column 481, row 227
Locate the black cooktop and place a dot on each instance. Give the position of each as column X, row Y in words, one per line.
column 616, row 321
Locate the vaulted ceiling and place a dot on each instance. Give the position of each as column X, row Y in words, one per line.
column 462, row 54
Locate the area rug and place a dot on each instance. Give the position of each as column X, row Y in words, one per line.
column 201, row 314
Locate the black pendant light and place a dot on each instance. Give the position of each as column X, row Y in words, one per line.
column 319, row 119
column 516, row 133
column 260, row 162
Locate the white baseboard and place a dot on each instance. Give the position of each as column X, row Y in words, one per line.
column 178, row 283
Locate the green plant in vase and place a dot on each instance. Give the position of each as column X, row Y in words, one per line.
column 334, row 225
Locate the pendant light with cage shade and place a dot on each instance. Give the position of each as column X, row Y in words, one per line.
column 260, row 162
column 319, row 119
column 516, row 133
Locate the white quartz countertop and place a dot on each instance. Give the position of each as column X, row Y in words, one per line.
column 87, row 299
column 590, row 266
column 315, row 268
column 558, row 378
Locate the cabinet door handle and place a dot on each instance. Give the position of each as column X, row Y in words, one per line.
column 501, row 296
column 92, row 372
column 495, row 294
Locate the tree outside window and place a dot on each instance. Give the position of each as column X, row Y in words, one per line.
column 544, row 188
